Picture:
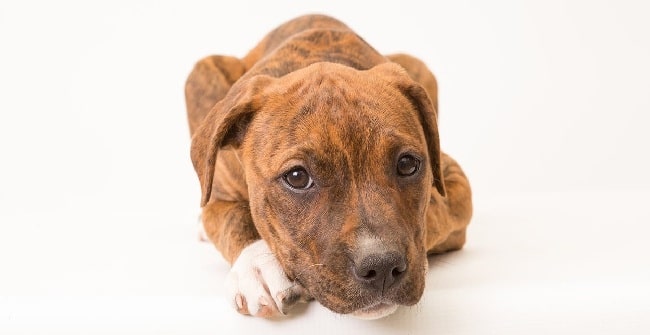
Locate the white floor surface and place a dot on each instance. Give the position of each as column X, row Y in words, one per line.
column 534, row 263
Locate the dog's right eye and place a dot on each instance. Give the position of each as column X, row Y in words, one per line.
column 298, row 179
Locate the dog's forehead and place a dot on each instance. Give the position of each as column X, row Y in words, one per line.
column 334, row 111
column 355, row 100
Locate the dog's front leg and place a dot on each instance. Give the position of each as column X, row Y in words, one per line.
column 257, row 284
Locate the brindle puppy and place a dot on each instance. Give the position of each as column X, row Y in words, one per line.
column 321, row 171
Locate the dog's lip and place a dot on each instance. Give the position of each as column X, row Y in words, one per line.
column 376, row 311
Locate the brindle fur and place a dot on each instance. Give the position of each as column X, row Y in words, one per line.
column 314, row 93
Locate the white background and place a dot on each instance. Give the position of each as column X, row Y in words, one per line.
column 544, row 103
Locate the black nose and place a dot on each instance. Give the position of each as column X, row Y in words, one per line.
column 380, row 271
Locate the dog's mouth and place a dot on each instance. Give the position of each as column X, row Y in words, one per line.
column 376, row 311
column 360, row 297
column 366, row 305
column 369, row 289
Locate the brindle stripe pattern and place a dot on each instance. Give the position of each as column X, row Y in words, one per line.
column 315, row 94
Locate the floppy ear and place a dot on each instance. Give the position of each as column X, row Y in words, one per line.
column 225, row 125
column 426, row 112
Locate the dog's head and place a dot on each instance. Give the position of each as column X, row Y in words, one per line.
column 340, row 165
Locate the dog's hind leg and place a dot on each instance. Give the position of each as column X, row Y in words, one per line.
column 208, row 83
column 419, row 72
column 447, row 217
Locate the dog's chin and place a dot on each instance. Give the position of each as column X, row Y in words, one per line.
column 374, row 312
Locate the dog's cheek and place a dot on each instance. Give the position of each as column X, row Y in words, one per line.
column 317, row 256
column 414, row 203
column 268, row 224
column 283, row 221
column 411, row 291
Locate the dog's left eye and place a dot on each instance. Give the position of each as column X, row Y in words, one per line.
column 298, row 178
column 407, row 165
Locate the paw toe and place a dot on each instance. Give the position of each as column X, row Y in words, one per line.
column 241, row 305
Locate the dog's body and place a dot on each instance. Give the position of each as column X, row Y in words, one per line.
column 321, row 172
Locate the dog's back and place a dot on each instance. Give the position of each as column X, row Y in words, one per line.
column 287, row 30
column 307, row 40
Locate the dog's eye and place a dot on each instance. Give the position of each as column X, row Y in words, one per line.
column 298, row 178
column 407, row 165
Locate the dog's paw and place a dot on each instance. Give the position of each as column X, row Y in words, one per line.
column 201, row 233
column 258, row 286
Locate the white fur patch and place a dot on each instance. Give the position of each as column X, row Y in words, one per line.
column 203, row 236
column 257, row 277
column 375, row 312
column 370, row 245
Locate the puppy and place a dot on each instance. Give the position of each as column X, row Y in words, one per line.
column 321, row 172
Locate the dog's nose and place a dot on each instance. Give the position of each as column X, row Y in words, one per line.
column 380, row 271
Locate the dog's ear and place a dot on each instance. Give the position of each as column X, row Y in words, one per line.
column 225, row 125
column 427, row 113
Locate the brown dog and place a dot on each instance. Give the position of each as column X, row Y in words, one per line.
column 321, row 171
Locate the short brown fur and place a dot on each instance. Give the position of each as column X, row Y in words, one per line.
column 314, row 93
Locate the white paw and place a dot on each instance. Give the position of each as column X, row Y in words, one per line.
column 202, row 235
column 257, row 285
